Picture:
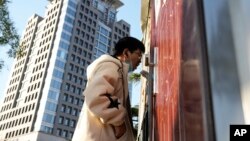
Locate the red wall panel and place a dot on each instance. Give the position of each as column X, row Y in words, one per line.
column 166, row 35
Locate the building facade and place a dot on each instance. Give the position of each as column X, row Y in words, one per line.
column 44, row 96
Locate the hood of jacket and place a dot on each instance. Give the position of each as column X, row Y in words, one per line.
column 105, row 58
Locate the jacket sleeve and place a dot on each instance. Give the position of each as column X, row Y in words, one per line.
column 100, row 96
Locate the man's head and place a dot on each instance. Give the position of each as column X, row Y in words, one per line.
column 130, row 50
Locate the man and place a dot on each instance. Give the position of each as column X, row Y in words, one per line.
column 106, row 114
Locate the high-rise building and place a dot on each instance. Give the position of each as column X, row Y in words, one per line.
column 44, row 96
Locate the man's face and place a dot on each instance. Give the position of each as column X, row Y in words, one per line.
column 135, row 58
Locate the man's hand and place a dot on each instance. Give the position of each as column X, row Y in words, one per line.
column 119, row 130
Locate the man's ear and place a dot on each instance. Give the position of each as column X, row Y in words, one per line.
column 126, row 52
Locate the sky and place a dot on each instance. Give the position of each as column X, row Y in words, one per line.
column 21, row 11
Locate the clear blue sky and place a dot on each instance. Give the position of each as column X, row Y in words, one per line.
column 20, row 11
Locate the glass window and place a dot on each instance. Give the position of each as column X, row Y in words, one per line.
column 70, row 100
column 46, row 129
column 104, row 31
column 58, row 74
column 69, row 76
column 71, row 12
column 60, row 64
column 63, row 108
column 95, row 3
column 69, row 19
column 67, row 28
column 76, row 100
column 78, row 60
column 78, row 91
column 71, row 67
column 66, row 121
column 62, row 54
column 83, row 62
column 72, row 4
column 64, row 133
column 74, row 79
column 103, row 39
column 81, row 102
column 50, row 106
column 81, row 42
column 82, row 71
column 78, row 31
column 67, row 87
column 58, row 132
column 80, row 15
column 89, row 56
column 70, row 135
column 60, row 120
column 73, row 57
column 72, row 89
column 99, row 53
column 53, row 95
column 65, row 97
column 80, row 81
column 102, row 46
column 48, row 118
column 76, row 69
column 74, row 112
column 79, row 50
column 63, row 45
column 84, row 53
column 76, row 40
column 72, row 123
column 55, row 84
column 65, row 36
column 68, row 110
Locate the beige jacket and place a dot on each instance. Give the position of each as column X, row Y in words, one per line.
column 105, row 100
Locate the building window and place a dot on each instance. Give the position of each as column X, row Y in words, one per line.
column 76, row 100
column 66, row 121
column 48, row 118
column 58, row 132
column 70, row 100
column 53, row 95
column 65, row 36
column 74, row 112
column 71, row 67
column 80, row 81
column 81, row 103
column 65, row 97
column 63, row 108
column 56, row 84
column 45, row 129
column 60, row 120
column 67, row 87
column 64, row 133
column 50, row 106
column 60, row 64
column 73, row 57
column 58, row 74
column 72, row 123
column 70, row 135
column 67, row 28
column 78, row 91
column 69, row 77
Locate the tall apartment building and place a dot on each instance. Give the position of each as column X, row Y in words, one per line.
column 44, row 96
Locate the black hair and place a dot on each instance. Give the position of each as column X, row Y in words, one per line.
column 130, row 43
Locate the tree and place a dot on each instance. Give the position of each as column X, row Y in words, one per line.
column 135, row 77
column 8, row 33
